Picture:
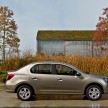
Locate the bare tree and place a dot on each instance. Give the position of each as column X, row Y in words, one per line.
column 8, row 31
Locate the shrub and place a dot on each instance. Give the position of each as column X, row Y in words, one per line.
column 2, row 77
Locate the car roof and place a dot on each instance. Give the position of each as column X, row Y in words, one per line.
column 51, row 62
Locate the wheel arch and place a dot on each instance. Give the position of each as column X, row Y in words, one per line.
column 26, row 85
column 94, row 84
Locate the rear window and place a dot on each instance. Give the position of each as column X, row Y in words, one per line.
column 41, row 69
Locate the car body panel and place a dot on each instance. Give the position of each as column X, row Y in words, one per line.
column 67, row 84
column 44, row 83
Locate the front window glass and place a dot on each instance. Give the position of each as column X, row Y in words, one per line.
column 41, row 68
column 64, row 70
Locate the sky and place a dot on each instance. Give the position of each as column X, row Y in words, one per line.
column 34, row 15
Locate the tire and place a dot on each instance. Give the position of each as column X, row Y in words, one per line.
column 93, row 92
column 24, row 93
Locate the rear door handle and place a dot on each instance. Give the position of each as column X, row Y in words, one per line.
column 34, row 78
column 59, row 79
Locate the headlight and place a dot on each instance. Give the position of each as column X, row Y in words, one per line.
column 106, row 80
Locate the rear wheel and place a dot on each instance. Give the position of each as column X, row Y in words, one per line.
column 93, row 92
column 24, row 92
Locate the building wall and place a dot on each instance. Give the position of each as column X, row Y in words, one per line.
column 100, row 48
column 84, row 48
column 78, row 47
column 51, row 47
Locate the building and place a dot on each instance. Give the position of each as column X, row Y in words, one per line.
column 70, row 43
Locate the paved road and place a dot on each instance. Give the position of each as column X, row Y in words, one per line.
column 10, row 100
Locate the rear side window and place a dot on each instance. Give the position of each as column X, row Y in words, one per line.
column 41, row 69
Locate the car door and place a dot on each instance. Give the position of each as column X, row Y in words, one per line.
column 67, row 81
column 43, row 79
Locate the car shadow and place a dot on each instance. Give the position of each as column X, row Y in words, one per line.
column 59, row 97
column 33, row 98
column 63, row 97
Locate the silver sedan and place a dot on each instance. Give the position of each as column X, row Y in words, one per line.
column 55, row 78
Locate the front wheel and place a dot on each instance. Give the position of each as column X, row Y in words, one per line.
column 24, row 92
column 93, row 92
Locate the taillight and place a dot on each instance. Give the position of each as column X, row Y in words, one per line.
column 9, row 76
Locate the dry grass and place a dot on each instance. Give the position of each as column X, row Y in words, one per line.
column 86, row 64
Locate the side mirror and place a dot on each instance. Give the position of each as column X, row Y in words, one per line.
column 78, row 74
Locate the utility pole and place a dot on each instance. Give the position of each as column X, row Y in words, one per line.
column 4, row 13
column 3, row 57
column 92, row 48
column 64, row 47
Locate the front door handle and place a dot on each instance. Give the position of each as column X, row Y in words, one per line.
column 59, row 79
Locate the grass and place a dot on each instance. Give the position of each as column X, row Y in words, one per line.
column 86, row 64
column 95, row 65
